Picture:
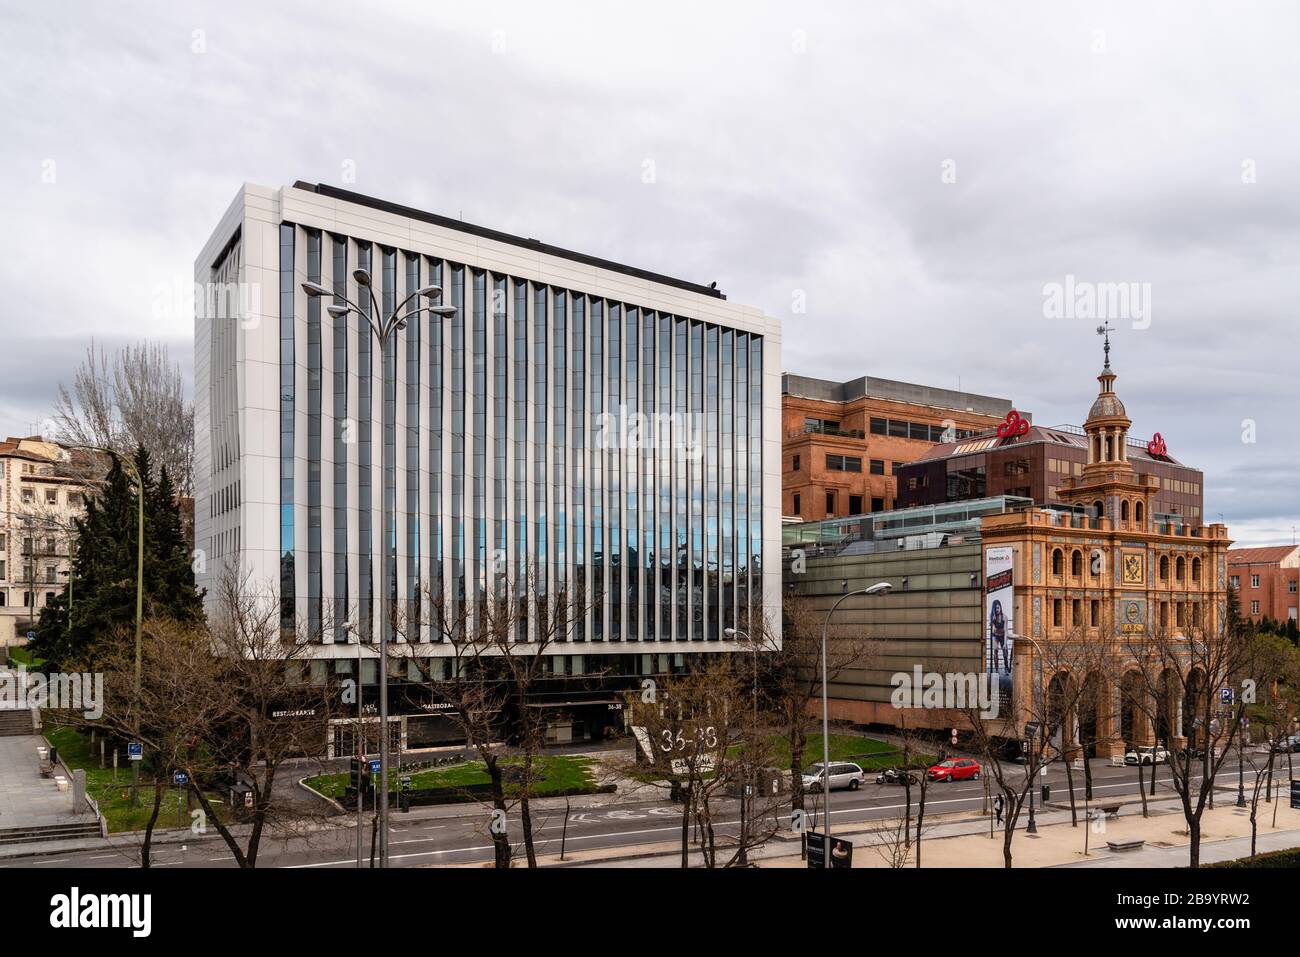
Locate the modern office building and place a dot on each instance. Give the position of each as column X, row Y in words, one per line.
column 610, row 431
column 843, row 441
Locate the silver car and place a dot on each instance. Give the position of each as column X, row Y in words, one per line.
column 844, row 774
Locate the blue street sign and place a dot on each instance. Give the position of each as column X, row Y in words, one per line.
column 135, row 751
column 180, row 777
column 31, row 636
column 1225, row 695
column 374, row 765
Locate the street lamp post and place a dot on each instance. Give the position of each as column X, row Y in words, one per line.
column 880, row 588
column 745, row 796
column 384, row 332
column 1241, row 771
column 1031, row 826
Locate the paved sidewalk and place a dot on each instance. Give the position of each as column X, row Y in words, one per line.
column 26, row 798
column 962, row 840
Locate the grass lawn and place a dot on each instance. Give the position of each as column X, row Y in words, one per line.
column 559, row 773
column 21, row 656
column 870, row 754
column 114, row 798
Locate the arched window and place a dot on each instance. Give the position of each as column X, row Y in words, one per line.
column 1058, row 560
column 1123, row 510
column 1196, row 569
column 1076, row 562
column 1164, row 568
column 1097, row 509
column 1137, row 512
column 1180, row 568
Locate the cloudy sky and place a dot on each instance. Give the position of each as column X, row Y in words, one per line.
column 899, row 182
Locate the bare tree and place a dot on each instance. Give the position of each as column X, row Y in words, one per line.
column 169, row 715
column 895, row 838
column 1276, row 667
column 696, row 737
column 1179, row 677
column 1061, row 674
column 133, row 397
column 267, row 704
column 790, row 675
column 501, row 642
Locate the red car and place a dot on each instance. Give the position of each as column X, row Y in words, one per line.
column 958, row 769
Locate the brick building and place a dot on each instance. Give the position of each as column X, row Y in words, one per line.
column 1267, row 580
column 1040, row 463
column 1102, row 558
column 841, row 441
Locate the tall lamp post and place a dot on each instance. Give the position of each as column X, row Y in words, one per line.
column 1031, row 827
column 383, row 331
column 1241, row 771
column 745, row 796
column 880, row 588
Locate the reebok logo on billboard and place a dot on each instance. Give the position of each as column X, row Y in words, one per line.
column 75, row 910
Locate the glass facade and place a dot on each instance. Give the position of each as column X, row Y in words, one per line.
column 437, row 462
column 411, row 473
column 365, row 464
column 566, row 444
column 315, row 587
column 288, row 581
column 341, row 439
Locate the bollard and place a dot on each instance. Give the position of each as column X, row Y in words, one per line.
column 78, row 788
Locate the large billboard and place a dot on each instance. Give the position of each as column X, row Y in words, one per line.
column 999, row 630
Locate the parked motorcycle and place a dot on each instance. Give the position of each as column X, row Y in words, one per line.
column 895, row 776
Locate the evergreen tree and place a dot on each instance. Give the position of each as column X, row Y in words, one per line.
column 104, row 566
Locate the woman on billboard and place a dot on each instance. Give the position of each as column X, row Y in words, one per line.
column 998, row 639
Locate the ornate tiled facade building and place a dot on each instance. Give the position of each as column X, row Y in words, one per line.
column 1110, row 566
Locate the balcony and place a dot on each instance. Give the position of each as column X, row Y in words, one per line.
column 833, row 430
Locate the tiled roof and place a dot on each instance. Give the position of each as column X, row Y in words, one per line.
column 1267, row 555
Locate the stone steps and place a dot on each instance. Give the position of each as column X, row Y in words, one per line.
column 49, row 832
column 16, row 722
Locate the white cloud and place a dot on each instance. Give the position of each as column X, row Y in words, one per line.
column 795, row 148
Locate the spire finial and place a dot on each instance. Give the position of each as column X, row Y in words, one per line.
column 1104, row 330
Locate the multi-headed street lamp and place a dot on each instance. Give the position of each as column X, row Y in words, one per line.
column 383, row 331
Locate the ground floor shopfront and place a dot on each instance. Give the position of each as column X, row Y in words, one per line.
column 573, row 713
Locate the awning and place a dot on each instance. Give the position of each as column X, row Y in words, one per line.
column 573, row 704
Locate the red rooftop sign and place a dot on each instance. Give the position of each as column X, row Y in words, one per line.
column 1013, row 426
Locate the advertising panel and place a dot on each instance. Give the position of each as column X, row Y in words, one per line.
column 999, row 622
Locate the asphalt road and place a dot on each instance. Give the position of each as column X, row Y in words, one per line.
column 428, row 837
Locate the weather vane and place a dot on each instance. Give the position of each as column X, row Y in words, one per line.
column 1104, row 330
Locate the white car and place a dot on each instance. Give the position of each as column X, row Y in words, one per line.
column 1151, row 754
column 844, row 774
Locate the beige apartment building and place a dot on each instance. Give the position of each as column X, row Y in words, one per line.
column 38, row 502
